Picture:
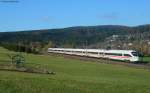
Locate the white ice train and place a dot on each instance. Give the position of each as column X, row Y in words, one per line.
column 122, row 55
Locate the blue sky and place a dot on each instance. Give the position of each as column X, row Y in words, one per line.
column 47, row 14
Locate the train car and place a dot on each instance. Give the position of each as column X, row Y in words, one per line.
column 122, row 55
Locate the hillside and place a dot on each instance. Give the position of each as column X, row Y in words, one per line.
column 76, row 35
column 90, row 36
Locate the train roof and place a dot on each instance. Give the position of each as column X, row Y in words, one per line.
column 94, row 50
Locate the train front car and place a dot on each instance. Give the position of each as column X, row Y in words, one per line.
column 123, row 55
column 136, row 57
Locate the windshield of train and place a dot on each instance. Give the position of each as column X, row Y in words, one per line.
column 135, row 54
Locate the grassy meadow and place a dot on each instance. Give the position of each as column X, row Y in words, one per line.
column 73, row 76
column 146, row 59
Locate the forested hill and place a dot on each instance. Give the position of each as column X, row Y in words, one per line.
column 74, row 36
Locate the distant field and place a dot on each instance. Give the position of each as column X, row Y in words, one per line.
column 74, row 76
column 147, row 59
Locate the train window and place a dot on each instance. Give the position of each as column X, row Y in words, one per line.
column 114, row 54
column 77, row 51
column 118, row 54
column 127, row 55
column 93, row 52
column 68, row 51
column 108, row 53
column 100, row 53
column 135, row 54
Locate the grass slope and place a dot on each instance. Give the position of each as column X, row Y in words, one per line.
column 74, row 76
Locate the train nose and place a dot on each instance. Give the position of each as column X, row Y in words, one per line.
column 136, row 59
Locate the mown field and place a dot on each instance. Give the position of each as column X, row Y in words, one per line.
column 74, row 76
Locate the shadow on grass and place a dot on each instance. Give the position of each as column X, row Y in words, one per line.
column 5, row 61
column 143, row 62
column 38, row 69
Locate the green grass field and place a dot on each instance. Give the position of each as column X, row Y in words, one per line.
column 74, row 76
column 147, row 59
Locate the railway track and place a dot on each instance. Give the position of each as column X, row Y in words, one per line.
column 141, row 65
